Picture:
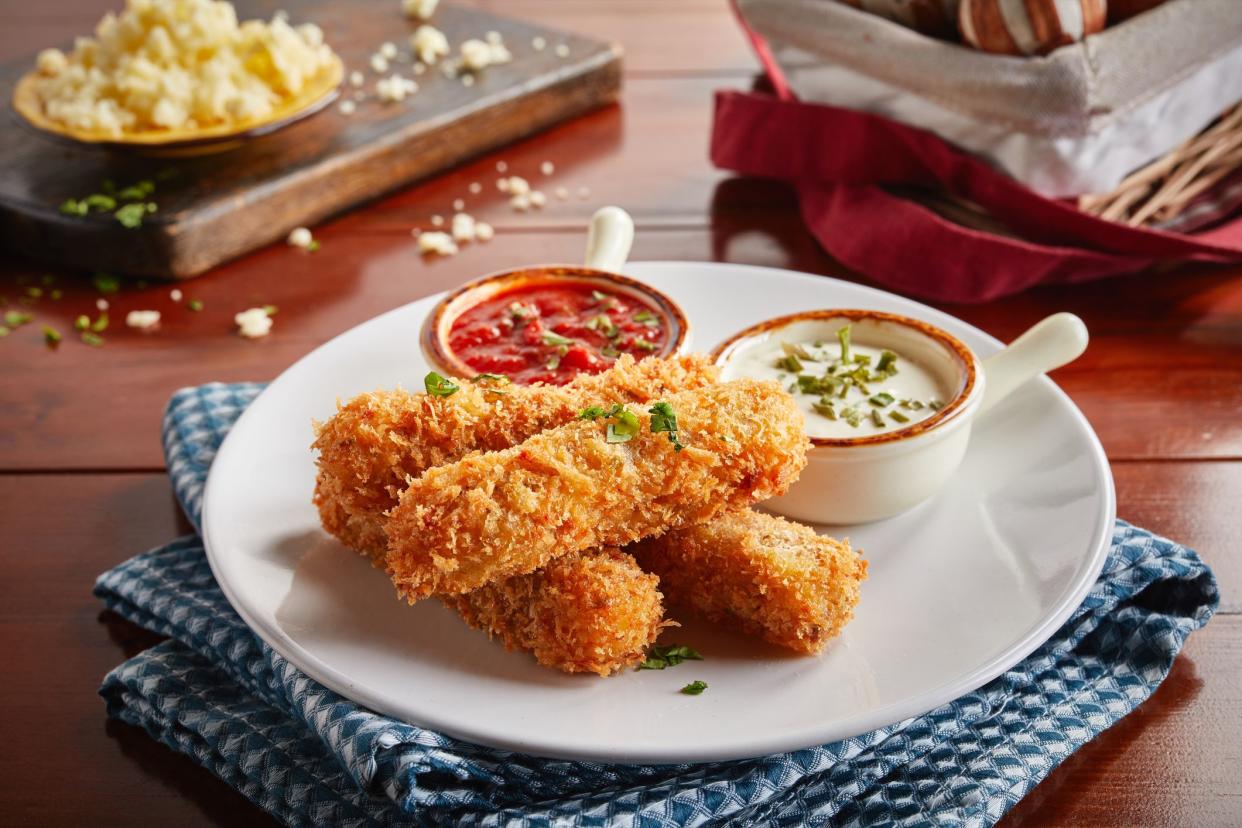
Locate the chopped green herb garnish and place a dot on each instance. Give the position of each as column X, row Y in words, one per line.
column 92, row 339
column 843, row 336
column 624, row 427
column 130, row 215
column 438, row 386
column 825, row 407
column 852, row 416
column 313, row 246
column 610, row 351
column 517, row 311
column 34, row 292
column 106, row 283
column 101, row 324
column 793, row 349
column 553, row 363
column 100, row 203
column 935, row 405
column 15, row 319
column 876, row 418
column 659, row 657
column 195, row 305
column 270, row 310
column 73, row 207
column 56, row 293
column 4, row 331
column 647, row 318
column 642, row 344
column 694, row 688
column 664, row 419
column 592, row 412
column 888, row 360
column 882, row 399
column 604, row 300
column 51, row 336
column 553, row 338
column 82, row 323
column 491, row 377
column 898, row 417
column 604, row 325
column 790, row 363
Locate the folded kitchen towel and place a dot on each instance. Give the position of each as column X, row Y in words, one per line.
column 215, row 692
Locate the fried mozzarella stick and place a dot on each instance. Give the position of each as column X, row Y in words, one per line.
column 592, row 483
column 761, row 574
column 593, row 612
column 377, row 442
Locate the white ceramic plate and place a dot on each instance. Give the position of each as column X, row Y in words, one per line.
column 961, row 588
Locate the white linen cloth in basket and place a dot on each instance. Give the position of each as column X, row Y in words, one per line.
column 1072, row 122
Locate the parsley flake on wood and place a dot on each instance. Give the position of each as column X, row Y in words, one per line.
column 659, row 657
column 438, row 386
column 694, row 688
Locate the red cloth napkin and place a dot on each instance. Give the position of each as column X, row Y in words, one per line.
column 837, row 159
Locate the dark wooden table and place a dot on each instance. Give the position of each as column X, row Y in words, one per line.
column 82, row 483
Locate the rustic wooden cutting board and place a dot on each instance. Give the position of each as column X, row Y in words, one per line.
column 216, row 207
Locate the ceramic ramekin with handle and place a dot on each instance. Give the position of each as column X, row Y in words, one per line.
column 868, row 478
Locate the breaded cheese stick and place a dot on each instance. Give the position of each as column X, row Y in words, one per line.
column 498, row 514
column 591, row 612
column 377, row 442
column 761, row 574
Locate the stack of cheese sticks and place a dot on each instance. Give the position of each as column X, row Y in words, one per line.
column 559, row 519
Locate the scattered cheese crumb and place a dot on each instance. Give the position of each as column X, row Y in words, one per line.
column 253, row 323
column 539, row 44
column 379, row 63
column 348, row 107
column 356, row 78
column 463, row 228
column 174, row 295
column 584, row 193
column 142, row 319
column 562, row 193
column 437, row 220
column 502, row 184
column 394, row 88
column 459, row 204
column 300, row 237
column 441, row 244
column 419, row 9
column 429, row 44
column 419, row 67
column 562, row 51
column 537, row 199
column 493, row 37
column 501, row 167
column 483, row 231
column 475, row 187
column 520, row 202
column 388, row 50
column 518, row 185
column 477, row 55
column 547, row 168
column 101, row 304
column 467, row 80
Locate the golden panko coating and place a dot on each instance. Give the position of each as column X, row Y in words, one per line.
column 498, row 514
column 377, row 442
column 592, row 612
column 761, row 574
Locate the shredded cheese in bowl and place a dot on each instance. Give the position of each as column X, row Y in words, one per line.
column 179, row 65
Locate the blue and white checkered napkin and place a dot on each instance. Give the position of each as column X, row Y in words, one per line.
column 215, row 692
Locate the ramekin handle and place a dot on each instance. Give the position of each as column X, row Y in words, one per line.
column 1055, row 341
column 609, row 239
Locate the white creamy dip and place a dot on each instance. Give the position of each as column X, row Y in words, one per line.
column 874, row 391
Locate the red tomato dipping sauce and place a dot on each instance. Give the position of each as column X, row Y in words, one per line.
column 550, row 333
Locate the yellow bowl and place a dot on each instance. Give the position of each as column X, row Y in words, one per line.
column 317, row 94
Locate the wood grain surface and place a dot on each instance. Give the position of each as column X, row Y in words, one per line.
column 216, row 206
column 81, row 474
